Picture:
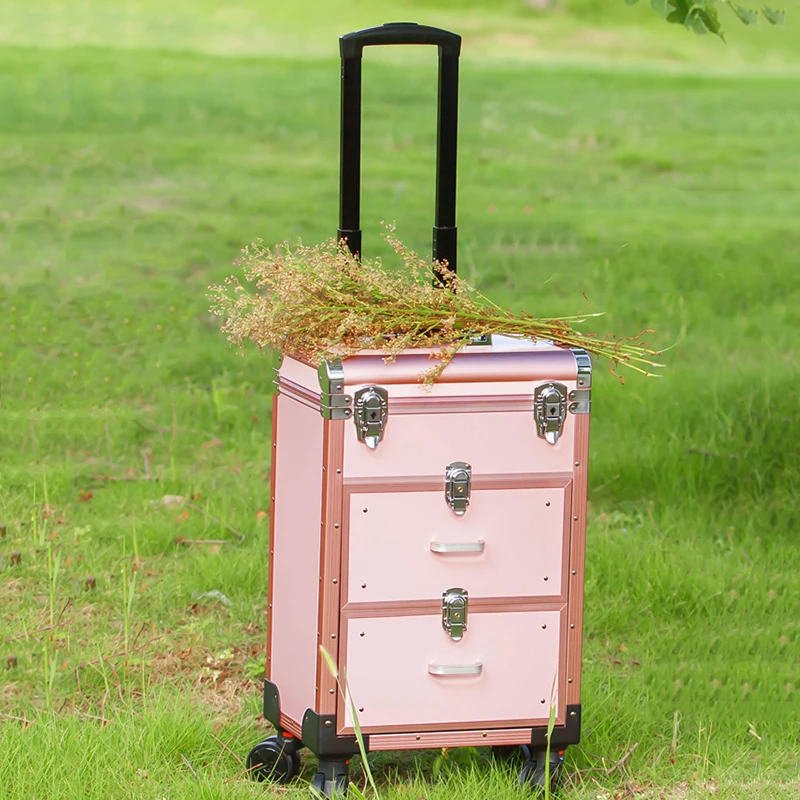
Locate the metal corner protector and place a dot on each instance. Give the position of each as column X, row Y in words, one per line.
column 334, row 403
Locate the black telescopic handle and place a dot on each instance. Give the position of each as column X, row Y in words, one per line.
column 351, row 46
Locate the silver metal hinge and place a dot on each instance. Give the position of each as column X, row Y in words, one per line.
column 454, row 613
column 457, row 485
column 334, row 403
column 550, row 410
column 580, row 398
column 371, row 414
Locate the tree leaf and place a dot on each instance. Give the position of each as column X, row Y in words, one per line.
column 709, row 17
column 631, row 2
column 774, row 16
column 660, row 7
column 748, row 16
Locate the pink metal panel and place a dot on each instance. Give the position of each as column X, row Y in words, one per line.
column 517, row 536
column 300, row 373
column 424, row 444
column 295, row 591
column 390, row 659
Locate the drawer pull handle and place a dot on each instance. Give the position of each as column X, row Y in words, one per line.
column 458, row 547
column 455, row 669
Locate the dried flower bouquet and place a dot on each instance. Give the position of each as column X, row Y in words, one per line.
column 321, row 301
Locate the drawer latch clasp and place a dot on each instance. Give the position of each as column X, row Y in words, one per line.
column 371, row 414
column 550, row 410
column 457, row 485
column 454, row 613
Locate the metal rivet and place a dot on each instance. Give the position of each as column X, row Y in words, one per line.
column 580, row 383
column 272, row 552
column 274, row 444
column 575, row 518
column 363, row 585
column 329, row 724
column 417, row 738
column 336, row 580
column 569, row 680
column 545, row 578
column 333, row 636
column 361, row 708
column 547, row 503
column 574, row 572
column 331, row 691
column 269, row 658
column 362, row 633
column 323, row 469
column 339, row 387
column 338, row 472
column 577, row 463
column 543, row 700
column 484, row 735
column 544, row 627
column 270, row 605
column 573, row 713
column 273, row 499
column 365, row 510
column 335, row 524
column 573, row 625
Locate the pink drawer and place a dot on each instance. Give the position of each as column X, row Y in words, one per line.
column 407, row 546
column 401, row 671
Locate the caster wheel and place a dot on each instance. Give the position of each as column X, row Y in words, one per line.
column 511, row 753
column 272, row 761
column 297, row 761
column 534, row 776
column 324, row 787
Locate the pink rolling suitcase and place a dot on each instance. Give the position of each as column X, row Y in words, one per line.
column 432, row 541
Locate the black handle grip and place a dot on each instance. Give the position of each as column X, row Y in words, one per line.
column 404, row 33
column 351, row 44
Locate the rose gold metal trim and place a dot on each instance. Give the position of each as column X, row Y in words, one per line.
column 271, row 568
column 471, row 725
column 330, row 564
column 466, row 404
column 477, row 605
column 290, row 726
column 301, row 394
column 425, row 739
column 566, row 535
column 414, row 483
column 466, row 367
column 577, row 560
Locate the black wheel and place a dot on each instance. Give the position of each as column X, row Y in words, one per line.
column 272, row 761
column 331, row 780
column 511, row 752
column 533, row 773
column 297, row 761
column 321, row 787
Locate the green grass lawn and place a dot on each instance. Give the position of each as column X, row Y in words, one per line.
column 133, row 168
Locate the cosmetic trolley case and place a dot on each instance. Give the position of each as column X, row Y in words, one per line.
column 430, row 540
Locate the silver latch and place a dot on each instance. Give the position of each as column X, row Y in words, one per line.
column 454, row 613
column 550, row 410
column 371, row 414
column 457, row 483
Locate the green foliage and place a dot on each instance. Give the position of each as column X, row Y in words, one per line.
column 702, row 16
